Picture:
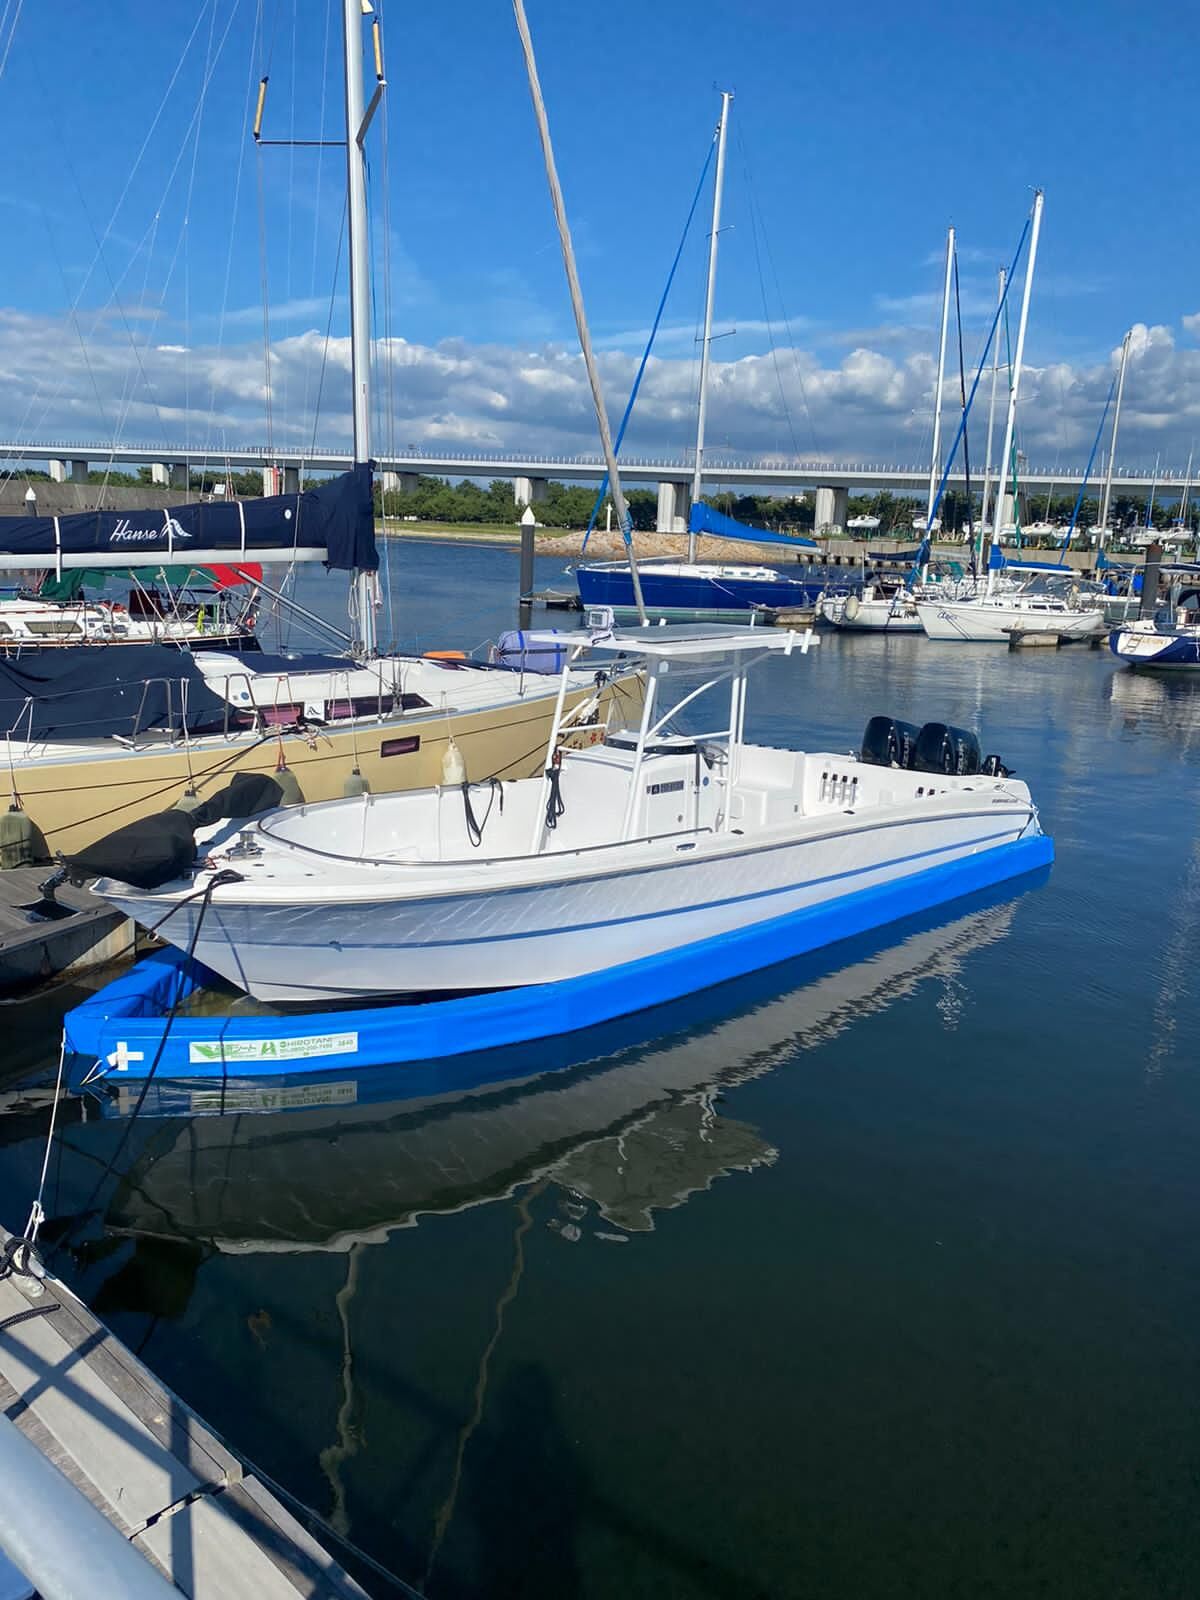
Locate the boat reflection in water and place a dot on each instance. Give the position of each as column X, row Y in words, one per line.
column 634, row 1130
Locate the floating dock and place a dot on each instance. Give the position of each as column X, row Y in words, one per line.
column 41, row 937
column 88, row 1429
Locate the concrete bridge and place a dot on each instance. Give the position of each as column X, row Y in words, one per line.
column 831, row 482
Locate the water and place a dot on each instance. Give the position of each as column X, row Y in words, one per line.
column 872, row 1275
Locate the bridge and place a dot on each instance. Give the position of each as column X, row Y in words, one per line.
column 283, row 467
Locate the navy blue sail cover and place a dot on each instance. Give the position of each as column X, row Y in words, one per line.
column 337, row 516
column 96, row 691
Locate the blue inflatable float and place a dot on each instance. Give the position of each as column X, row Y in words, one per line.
column 126, row 1032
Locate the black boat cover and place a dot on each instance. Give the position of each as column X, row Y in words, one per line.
column 95, row 691
column 337, row 516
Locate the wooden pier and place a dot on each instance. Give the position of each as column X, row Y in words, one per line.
column 196, row 1514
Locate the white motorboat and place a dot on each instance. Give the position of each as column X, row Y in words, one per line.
column 642, row 843
column 875, row 610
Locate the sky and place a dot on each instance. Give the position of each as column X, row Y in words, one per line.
column 143, row 227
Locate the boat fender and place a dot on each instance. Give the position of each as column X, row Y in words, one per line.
column 16, row 837
column 454, row 768
column 355, row 785
column 851, row 608
column 288, row 782
column 189, row 800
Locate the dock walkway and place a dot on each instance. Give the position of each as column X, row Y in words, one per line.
column 170, row 1488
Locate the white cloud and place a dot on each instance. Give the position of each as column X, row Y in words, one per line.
column 868, row 402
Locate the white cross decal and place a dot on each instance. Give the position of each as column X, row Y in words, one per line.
column 123, row 1055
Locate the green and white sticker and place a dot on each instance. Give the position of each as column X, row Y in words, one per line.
column 223, row 1052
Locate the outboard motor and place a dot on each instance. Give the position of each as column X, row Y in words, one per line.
column 888, row 743
column 951, row 751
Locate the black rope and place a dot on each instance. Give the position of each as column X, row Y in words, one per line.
column 217, row 880
column 14, row 1258
column 555, row 806
column 28, row 1315
column 474, row 827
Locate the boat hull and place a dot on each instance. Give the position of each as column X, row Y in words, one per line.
column 567, row 917
column 983, row 623
column 1157, row 651
column 76, row 797
column 689, row 598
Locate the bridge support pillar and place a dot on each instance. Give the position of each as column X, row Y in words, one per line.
column 58, row 471
column 529, row 491
column 291, row 480
column 170, row 474
column 830, row 510
column 74, row 471
column 672, row 508
column 400, row 482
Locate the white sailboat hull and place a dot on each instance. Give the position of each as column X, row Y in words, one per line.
column 990, row 622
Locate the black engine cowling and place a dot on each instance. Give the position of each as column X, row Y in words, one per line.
column 888, row 743
column 954, row 752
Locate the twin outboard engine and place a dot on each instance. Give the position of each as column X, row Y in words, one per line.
column 951, row 751
column 888, row 743
column 936, row 747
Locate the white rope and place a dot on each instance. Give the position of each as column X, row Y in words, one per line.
column 37, row 1214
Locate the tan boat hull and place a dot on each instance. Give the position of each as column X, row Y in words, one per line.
column 73, row 802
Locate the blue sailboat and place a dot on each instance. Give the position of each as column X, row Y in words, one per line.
column 705, row 591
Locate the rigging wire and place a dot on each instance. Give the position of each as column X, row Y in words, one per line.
column 637, row 382
column 787, row 322
column 762, row 289
column 962, row 387
column 7, row 43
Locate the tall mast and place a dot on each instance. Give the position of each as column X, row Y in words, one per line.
column 365, row 583
column 1014, row 389
column 581, row 326
column 710, row 296
column 935, row 464
column 1112, row 448
column 1187, row 484
column 987, row 468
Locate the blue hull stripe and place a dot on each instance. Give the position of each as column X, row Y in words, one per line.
column 127, row 1017
column 603, row 586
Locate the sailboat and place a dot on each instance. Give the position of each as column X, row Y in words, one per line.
column 705, row 591
column 89, row 745
column 1037, row 606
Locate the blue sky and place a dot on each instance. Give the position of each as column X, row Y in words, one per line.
column 858, row 133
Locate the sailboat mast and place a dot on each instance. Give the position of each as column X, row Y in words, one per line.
column 1010, row 423
column 1112, row 448
column 987, row 469
column 935, row 464
column 365, row 583
column 1187, row 485
column 709, row 298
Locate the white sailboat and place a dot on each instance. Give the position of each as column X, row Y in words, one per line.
column 995, row 614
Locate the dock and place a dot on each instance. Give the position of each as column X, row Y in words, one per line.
column 178, row 1511
column 557, row 600
column 1048, row 639
column 42, row 936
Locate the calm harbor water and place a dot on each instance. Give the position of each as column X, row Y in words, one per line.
column 872, row 1275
